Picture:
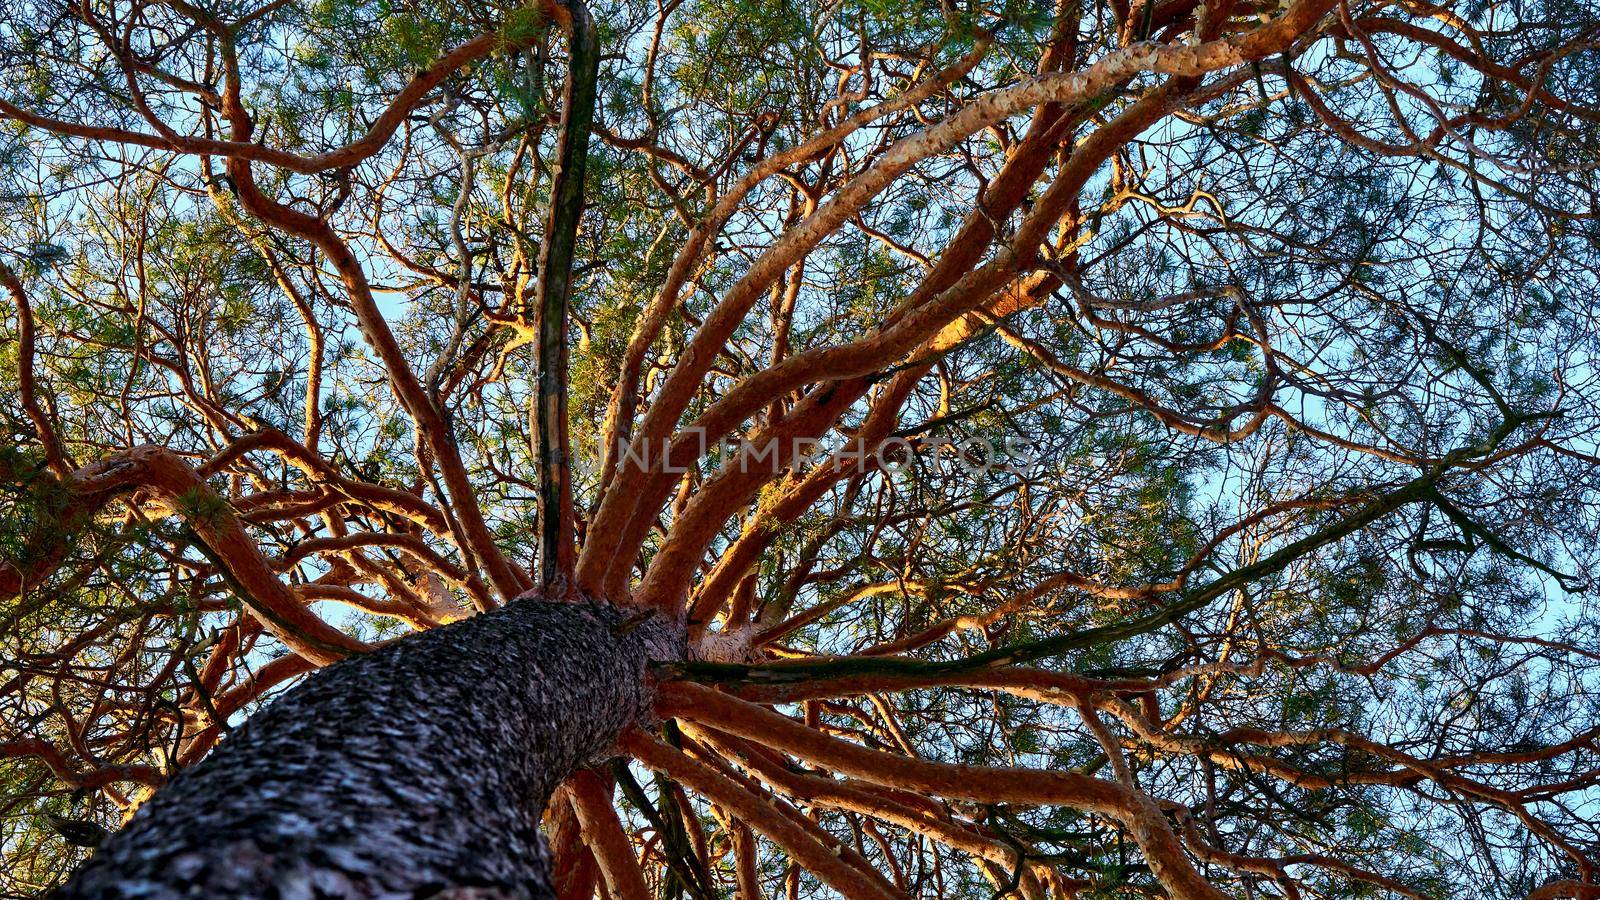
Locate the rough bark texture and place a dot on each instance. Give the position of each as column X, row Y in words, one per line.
column 416, row 770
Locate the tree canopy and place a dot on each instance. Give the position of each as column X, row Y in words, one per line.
column 1133, row 448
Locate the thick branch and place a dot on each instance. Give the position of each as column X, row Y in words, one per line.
column 556, row 553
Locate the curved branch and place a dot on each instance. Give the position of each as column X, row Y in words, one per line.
column 802, row 847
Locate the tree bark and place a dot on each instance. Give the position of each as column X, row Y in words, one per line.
column 419, row 769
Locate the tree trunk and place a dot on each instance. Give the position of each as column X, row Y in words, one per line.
column 419, row 769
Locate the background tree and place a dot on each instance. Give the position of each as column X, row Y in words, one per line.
column 1184, row 418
